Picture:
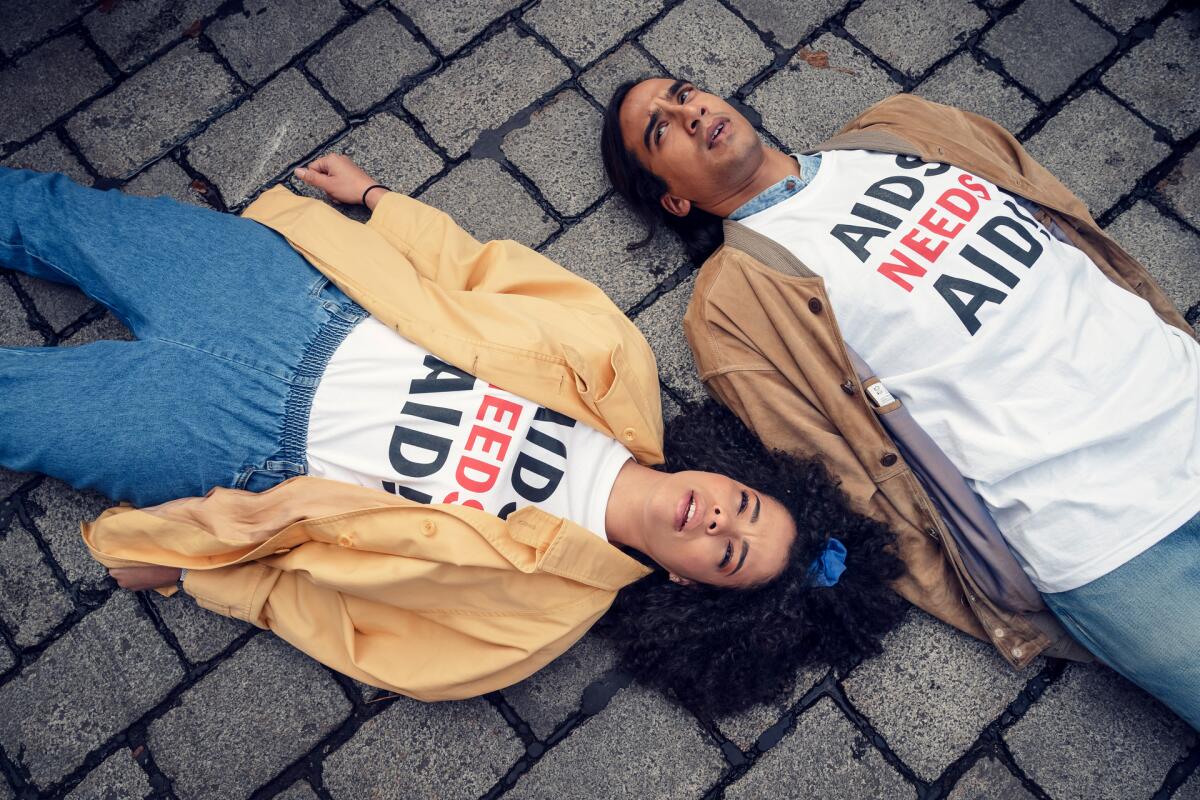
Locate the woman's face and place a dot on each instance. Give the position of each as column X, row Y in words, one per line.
column 707, row 528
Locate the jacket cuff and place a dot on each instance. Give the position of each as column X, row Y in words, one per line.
column 239, row 591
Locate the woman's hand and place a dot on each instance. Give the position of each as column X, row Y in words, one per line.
column 138, row 578
column 341, row 179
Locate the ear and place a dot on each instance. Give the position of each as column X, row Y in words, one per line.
column 681, row 581
column 675, row 205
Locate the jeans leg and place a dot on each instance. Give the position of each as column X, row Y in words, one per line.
column 1143, row 619
column 168, row 270
column 144, row 421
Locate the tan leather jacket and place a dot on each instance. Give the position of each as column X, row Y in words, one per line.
column 767, row 344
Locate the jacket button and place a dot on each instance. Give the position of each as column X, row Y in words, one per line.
column 848, row 387
column 998, row 633
column 932, row 532
column 888, row 459
column 1017, row 652
column 345, row 541
column 791, row 184
column 814, row 305
column 428, row 527
column 629, row 433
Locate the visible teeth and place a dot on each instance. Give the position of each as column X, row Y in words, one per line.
column 691, row 510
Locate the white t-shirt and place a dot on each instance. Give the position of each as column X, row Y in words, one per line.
column 1063, row 399
column 388, row 414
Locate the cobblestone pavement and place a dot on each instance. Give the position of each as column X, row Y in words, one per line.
column 491, row 110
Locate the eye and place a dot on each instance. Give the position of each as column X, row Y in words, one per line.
column 728, row 555
column 658, row 132
column 683, row 96
column 745, row 502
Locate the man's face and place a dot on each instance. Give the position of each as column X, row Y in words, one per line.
column 694, row 141
column 708, row 528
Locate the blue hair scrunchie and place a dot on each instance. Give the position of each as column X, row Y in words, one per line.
column 829, row 565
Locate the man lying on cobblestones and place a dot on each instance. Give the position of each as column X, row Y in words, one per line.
column 1028, row 383
column 451, row 536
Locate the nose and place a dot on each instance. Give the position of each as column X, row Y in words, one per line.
column 694, row 112
column 716, row 521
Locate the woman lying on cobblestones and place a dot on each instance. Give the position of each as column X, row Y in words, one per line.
column 325, row 396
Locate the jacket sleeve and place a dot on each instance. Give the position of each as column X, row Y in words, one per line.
column 427, row 656
column 442, row 252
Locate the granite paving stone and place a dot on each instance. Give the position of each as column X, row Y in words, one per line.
column 263, row 36
column 7, row 660
column 283, row 122
column 744, row 729
column 932, row 691
column 582, row 31
column 825, row 757
column 1122, row 14
column 626, row 63
column 490, row 204
column 15, row 330
column 1191, row 789
column 1168, row 250
column 1120, row 147
column 388, row 150
column 153, row 111
column 165, row 179
column 450, row 24
column 57, row 510
column 989, row 779
column 34, row 21
column 368, row 61
column 132, row 30
column 503, row 76
column 551, row 695
column 910, row 41
column 682, row 41
column 662, row 325
column 559, row 150
column 964, row 83
column 829, row 81
column 297, row 791
column 117, row 778
column 1159, row 76
column 107, row 327
column 434, row 750
column 1094, row 735
column 10, row 481
column 47, row 153
column 1034, row 50
column 58, row 303
column 1182, row 187
column 31, row 601
column 789, row 22
column 597, row 248
column 102, row 675
column 45, row 84
column 201, row 633
column 660, row 747
column 211, row 744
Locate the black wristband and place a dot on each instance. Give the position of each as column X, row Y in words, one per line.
column 369, row 188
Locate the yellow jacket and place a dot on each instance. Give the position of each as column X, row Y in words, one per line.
column 437, row 602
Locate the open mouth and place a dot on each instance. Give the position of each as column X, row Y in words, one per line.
column 715, row 132
column 686, row 511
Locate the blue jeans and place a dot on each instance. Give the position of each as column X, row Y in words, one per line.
column 1143, row 619
column 234, row 329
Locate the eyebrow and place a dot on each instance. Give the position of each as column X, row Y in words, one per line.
column 671, row 92
column 742, row 560
column 757, row 508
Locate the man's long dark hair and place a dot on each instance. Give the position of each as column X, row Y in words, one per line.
column 700, row 231
column 723, row 650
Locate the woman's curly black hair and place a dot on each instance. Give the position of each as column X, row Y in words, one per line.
column 722, row 650
column 700, row 231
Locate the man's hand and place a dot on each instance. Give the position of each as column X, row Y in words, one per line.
column 138, row 578
column 341, row 179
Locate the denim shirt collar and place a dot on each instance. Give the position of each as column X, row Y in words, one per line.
column 781, row 191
